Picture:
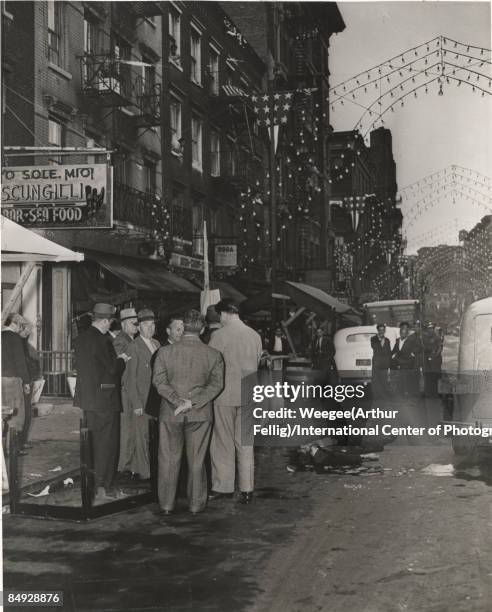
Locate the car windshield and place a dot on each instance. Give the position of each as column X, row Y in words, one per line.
column 359, row 337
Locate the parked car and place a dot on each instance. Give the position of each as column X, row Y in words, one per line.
column 353, row 355
column 473, row 388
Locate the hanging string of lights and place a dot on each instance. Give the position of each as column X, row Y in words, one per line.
column 408, row 73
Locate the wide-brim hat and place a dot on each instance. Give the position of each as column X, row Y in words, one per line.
column 128, row 313
column 145, row 315
column 103, row 311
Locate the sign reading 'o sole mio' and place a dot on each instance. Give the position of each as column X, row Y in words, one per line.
column 75, row 196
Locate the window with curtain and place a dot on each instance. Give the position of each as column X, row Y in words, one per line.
column 196, row 142
column 175, row 125
column 213, row 70
column 196, row 57
column 54, row 31
column 214, row 153
column 175, row 36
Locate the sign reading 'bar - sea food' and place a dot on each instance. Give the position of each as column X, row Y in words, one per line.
column 58, row 196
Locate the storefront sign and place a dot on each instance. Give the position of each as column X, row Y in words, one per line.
column 225, row 255
column 184, row 261
column 76, row 196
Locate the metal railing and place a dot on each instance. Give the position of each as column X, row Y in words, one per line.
column 55, row 366
column 134, row 206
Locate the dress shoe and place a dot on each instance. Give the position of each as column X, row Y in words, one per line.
column 22, row 453
column 163, row 512
column 26, row 446
column 213, row 495
column 246, row 498
column 193, row 512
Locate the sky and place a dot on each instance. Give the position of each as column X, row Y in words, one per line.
column 430, row 132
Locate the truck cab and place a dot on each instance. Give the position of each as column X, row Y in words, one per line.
column 473, row 392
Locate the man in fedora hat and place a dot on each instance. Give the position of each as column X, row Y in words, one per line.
column 136, row 383
column 97, row 393
column 129, row 325
column 129, row 329
column 241, row 348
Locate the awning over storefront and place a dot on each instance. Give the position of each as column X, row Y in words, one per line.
column 21, row 244
column 261, row 301
column 228, row 291
column 315, row 299
column 144, row 275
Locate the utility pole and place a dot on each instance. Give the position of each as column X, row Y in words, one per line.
column 273, row 193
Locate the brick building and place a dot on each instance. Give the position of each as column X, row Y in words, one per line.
column 293, row 39
column 158, row 84
column 366, row 219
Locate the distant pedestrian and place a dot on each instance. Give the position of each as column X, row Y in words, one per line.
column 121, row 342
column 405, row 361
column 323, row 356
column 97, row 393
column 278, row 346
column 15, row 372
column 381, row 362
column 242, row 348
column 136, row 383
column 188, row 375
column 432, row 360
column 32, row 360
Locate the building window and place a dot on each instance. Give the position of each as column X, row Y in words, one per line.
column 175, row 124
column 197, row 213
column 214, row 154
column 122, row 51
column 196, row 142
column 150, row 175
column 55, row 139
column 174, row 36
column 196, row 57
column 90, row 37
column 231, row 158
column 54, row 32
column 213, row 71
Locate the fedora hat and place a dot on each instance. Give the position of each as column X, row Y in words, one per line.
column 145, row 315
column 128, row 313
column 103, row 311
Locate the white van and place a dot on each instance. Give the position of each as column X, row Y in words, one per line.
column 473, row 393
column 353, row 355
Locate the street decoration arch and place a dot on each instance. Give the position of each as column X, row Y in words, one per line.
column 437, row 62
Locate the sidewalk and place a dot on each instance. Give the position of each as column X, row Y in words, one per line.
column 55, row 443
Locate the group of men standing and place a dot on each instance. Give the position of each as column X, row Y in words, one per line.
column 193, row 388
column 403, row 361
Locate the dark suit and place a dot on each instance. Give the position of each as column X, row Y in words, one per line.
column 405, row 360
column 381, row 362
column 432, row 361
column 97, row 393
column 191, row 370
column 323, row 358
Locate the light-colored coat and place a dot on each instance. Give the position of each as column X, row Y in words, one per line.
column 137, row 377
column 241, row 347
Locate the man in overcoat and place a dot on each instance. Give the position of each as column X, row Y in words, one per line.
column 188, row 375
column 97, row 393
column 136, row 383
column 129, row 328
